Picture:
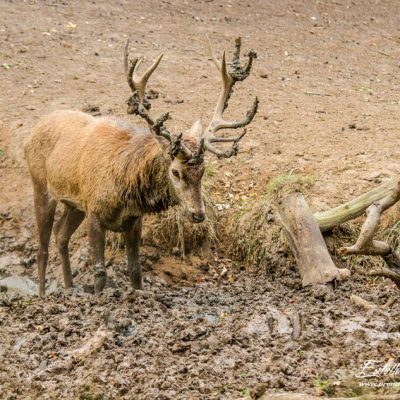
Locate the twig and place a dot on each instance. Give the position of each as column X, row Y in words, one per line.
column 296, row 324
column 387, row 273
column 359, row 301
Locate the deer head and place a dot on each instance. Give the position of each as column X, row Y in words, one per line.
column 186, row 153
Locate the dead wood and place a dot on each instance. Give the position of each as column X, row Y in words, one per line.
column 359, row 301
column 335, row 216
column 366, row 244
column 296, row 324
column 387, row 273
column 93, row 345
column 305, row 239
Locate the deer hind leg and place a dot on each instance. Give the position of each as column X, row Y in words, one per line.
column 132, row 244
column 64, row 229
column 96, row 235
column 45, row 208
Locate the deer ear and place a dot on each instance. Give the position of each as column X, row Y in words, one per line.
column 197, row 129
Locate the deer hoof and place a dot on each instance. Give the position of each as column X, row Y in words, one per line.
column 99, row 283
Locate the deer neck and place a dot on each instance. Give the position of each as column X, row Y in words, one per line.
column 150, row 190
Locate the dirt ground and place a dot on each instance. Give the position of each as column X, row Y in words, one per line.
column 327, row 76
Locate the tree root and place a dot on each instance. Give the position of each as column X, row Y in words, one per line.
column 365, row 243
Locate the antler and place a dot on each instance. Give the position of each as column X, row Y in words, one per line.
column 235, row 74
column 139, row 104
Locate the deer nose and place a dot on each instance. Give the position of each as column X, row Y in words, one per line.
column 198, row 217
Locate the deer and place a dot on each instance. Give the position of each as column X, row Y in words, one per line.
column 112, row 172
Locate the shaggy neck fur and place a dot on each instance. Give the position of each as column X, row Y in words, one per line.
column 143, row 176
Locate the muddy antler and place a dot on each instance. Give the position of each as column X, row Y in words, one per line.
column 139, row 104
column 235, row 74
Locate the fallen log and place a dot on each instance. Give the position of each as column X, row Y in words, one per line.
column 305, row 239
column 328, row 219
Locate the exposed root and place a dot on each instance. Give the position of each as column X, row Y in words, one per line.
column 365, row 243
column 387, row 273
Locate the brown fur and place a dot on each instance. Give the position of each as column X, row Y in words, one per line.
column 108, row 169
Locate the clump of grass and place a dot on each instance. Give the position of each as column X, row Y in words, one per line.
column 257, row 237
column 210, row 170
column 288, row 182
column 174, row 233
column 324, row 386
column 391, row 227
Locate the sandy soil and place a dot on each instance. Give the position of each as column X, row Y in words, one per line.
column 327, row 78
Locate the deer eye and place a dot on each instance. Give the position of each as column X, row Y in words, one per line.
column 175, row 173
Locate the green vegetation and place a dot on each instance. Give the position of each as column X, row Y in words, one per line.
column 288, row 180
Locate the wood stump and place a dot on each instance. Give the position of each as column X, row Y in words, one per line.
column 306, row 241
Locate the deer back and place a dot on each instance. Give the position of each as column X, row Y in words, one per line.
column 97, row 164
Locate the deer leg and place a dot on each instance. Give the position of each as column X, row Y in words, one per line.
column 96, row 248
column 64, row 229
column 132, row 244
column 45, row 208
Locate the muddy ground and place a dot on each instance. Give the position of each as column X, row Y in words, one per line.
column 327, row 76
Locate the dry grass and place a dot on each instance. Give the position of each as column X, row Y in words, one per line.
column 171, row 230
column 256, row 235
column 174, row 233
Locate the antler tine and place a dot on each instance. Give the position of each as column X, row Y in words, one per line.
column 129, row 68
column 227, row 85
column 235, row 124
column 135, row 81
column 138, row 104
column 212, row 54
column 178, row 146
column 229, row 78
column 126, row 55
column 141, row 81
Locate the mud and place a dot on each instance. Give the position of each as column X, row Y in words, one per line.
column 208, row 341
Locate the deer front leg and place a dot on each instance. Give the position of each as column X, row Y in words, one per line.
column 132, row 244
column 96, row 249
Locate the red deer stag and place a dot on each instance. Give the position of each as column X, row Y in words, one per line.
column 112, row 172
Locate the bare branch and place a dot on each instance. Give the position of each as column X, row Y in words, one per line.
column 354, row 208
column 365, row 243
